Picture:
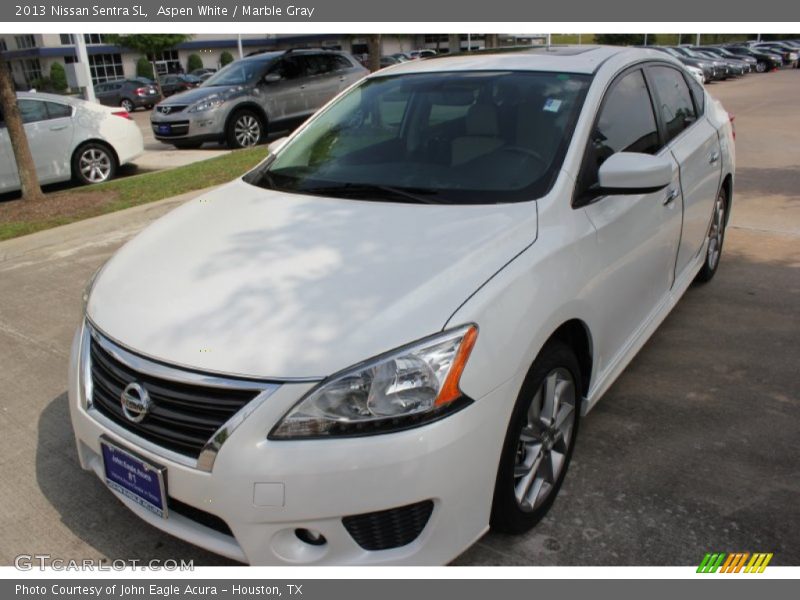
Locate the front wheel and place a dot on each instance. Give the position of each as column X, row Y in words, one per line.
column 245, row 129
column 716, row 235
column 761, row 66
column 539, row 441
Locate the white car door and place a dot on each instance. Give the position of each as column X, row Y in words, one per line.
column 695, row 145
column 50, row 139
column 637, row 234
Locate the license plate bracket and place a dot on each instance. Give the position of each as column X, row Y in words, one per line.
column 135, row 477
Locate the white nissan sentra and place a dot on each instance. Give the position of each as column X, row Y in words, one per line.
column 379, row 343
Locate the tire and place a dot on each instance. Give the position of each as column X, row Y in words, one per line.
column 716, row 237
column 93, row 163
column 187, row 145
column 128, row 105
column 245, row 129
column 761, row 66
column 536, row 454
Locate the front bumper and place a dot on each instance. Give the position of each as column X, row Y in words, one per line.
column 265, row 490
column 188, row 126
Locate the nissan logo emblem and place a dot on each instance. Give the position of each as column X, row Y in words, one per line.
column 135, row 402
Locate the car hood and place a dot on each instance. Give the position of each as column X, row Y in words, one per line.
column 254, row 282
column 201, row 93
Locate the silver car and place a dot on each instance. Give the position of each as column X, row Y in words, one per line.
column 267, row 92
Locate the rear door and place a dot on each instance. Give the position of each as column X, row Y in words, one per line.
column 49, row 138
column 637, row 234
column 285, row 99
column 694, row 143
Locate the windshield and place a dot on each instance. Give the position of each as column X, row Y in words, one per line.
column 452, row 138
column 240, row 72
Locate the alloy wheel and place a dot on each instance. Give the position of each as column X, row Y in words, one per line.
column 545, row 440
column 716, row 233
column 127, row 105
column 247, row 131
column 95, row 165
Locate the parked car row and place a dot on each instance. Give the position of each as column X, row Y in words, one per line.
column 719, row 62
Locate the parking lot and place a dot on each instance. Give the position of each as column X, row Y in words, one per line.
column 694, row 449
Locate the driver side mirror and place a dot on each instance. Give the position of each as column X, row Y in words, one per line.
column 634, row 173
column 272, row 78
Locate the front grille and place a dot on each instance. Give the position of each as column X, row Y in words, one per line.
column 199, row 516
column 182, row 416
column 168, row 109
column 389, row 528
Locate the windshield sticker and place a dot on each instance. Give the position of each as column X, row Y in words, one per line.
column 552, row 105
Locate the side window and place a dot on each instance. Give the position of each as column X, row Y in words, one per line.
column 626, row 124
column 318, row 64
column 339, row 62
column 32, row 111
column 292, row 67
column 674, row 99
column 699, row 95
column 56, row 110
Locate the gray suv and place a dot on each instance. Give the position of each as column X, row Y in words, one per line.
column 270, row 91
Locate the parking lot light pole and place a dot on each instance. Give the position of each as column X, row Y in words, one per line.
column 698, row 40
column 239, row 44
column 83, row 60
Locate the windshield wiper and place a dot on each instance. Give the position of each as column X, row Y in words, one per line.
column 370, row 191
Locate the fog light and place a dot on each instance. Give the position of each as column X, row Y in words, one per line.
column 314, row 538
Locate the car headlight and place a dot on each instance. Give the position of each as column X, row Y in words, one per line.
column 404, row 388
column 204, row 105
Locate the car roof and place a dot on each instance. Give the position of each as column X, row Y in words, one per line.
column 565, row 59
column 49, row 97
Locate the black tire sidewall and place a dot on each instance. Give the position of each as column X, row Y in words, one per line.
column 507, row 516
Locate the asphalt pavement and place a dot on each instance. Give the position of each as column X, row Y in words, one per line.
column 694, row 449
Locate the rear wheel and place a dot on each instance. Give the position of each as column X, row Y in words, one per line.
column 245, row 129
column 94, row 163
column 128, row 105
column 761, row 66
column 716, row 235
column 539, row 441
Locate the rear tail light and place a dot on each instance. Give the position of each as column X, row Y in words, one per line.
column 732, row 118
column 141, row 91
column 123, row 113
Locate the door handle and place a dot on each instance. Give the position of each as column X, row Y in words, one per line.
column 57, row 127
column 713, row 158
column 671, row 195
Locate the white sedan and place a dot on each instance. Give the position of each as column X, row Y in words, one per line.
column 70, row 139
column 381, row 341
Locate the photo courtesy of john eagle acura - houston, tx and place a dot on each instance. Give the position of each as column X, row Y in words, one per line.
column 379, row 343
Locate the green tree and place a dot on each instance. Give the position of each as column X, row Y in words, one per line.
column 193, row 63
column 620, row 39
column 225, row 58
column 29, row 183
column 58, row 78
column 152, row 45
column 144, row 68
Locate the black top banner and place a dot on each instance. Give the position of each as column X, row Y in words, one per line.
column 188, row 11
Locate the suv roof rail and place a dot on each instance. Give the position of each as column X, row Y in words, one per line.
column 319, row 49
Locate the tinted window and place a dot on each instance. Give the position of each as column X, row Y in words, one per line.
column 674, row 100
column 450, row 138
column 292, row 67
column 626, row 124
column 318, row 64
column 57, row 111
column 339, row 62
column 32, row 111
